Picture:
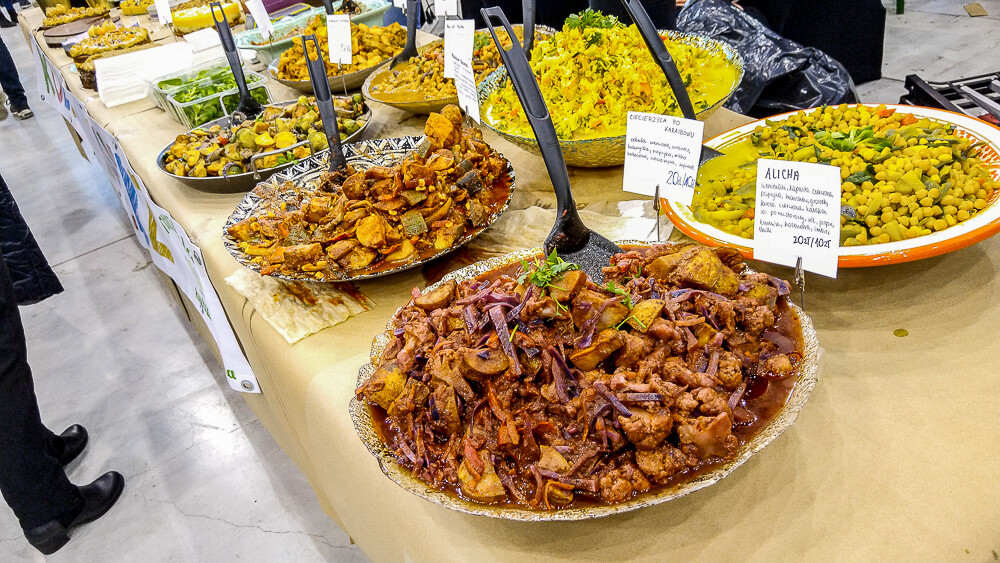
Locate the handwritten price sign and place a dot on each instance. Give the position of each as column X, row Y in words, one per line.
column 662, row 152
column 797, row 215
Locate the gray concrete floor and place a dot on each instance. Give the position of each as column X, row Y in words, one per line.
column 204, row 481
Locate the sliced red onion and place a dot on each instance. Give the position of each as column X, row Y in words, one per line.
column 563, row 449
column 781, row 285
column 745, row 286
column 784, row 344
column 560, row 374
column 590, row 325
column 480, row 295
column 408, row 452
column 516, row 311
column 713, row 363
column 709, row 317
column 691, row 340
column 585, row 484
column 398, row 331
column 508, row 484
column 500, row 298
column 615, row 403
column 734, row 399
column 469, row 314
column 500, row 323
column 641, row 397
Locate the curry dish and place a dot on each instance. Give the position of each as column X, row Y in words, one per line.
column 214, row 151
column 541, row 389
column 595, row 70
column 902, row 176
column 366, row 221
column 422, row 77
column 370, row 47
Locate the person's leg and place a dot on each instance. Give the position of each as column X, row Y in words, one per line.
column 11, row 19
column 32, row 481
column 10, row 81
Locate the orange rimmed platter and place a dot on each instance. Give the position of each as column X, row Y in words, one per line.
column 981, row 226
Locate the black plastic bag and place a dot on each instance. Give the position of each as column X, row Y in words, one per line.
column 779, row 74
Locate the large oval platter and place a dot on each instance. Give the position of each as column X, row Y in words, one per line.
column 365, row 426
column 979, row 227
column 363, row 155
column 246, row 180
column 603, row 151
column 338, row 83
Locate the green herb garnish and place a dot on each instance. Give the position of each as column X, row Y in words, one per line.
column 590, row 18
column 611, row 287
column 542, row 274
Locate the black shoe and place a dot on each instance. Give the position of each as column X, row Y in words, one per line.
column 98, row 498
column 74, row 441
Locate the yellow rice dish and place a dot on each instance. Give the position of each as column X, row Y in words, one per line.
column 595, row 70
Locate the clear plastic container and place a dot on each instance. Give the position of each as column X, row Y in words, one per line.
column 182, row 79
column 209, row 108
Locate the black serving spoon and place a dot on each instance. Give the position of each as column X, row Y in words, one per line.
column 410, row 50
column 662, row 56
column 321, row 88
column 528, row 27
column 248, row 106
column 573, row 241
column 328, row 4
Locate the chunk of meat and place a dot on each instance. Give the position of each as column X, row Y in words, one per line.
column 622, row 483
column 711, row 436
column 637, row 346
column 441, row 131
column 445, row 408
column 445, row 367
column 646, row 429
column 663, row 463
column 730, row 372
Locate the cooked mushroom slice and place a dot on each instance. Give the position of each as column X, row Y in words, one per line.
column 478, row 364
column 436, row 298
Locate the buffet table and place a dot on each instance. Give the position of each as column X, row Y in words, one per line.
column 896, row 455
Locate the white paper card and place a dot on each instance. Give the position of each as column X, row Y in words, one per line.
column 459, row 36
column 797, row 215
column 661, row 150
column 445, row 8
column 338, row 33
column 261, row 17
column 163, row 11
column 401, row 4
column 203, row 39
column 465, row 83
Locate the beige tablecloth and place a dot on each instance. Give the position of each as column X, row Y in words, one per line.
column 895, row 457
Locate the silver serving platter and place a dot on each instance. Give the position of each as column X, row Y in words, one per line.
column 363, row 155
column 338, row 83
column 363, row 423
column 610, row 150
column 246, row 180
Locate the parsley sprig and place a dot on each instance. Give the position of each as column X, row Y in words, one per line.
column 590, row 18
column 612, row 287
column 542, row 274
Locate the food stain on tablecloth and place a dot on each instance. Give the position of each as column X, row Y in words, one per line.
column 297, row 309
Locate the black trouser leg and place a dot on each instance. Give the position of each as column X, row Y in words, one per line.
column 31, row 479
column 9, row 80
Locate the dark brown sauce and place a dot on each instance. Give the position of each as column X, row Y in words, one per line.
column 764, row 408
